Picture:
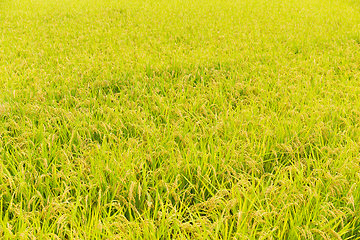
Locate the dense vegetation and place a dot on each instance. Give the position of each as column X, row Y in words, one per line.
column 180, row 119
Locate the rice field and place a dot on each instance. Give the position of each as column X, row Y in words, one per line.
column 180, row 119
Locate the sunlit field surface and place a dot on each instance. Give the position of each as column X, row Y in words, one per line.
column 180, row 119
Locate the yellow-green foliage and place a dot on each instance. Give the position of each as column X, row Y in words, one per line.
column 179, row 119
